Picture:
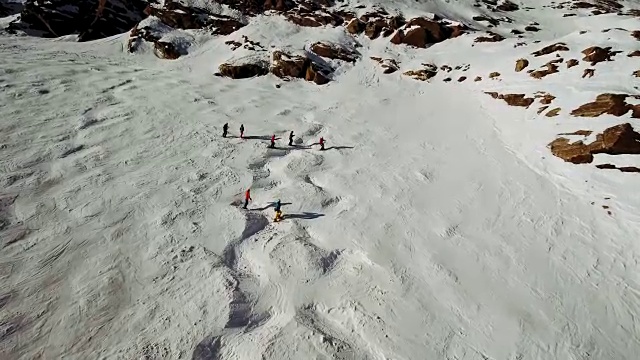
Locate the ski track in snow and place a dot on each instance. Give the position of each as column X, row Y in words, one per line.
column 415, row 234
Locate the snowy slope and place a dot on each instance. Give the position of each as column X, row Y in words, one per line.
column 436, row 225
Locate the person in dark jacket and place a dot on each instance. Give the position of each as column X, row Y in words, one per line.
column 321, row 142
column 225, row 128
column 273, row 141
column 242, row 131
column 291, row 138
column 278, row 210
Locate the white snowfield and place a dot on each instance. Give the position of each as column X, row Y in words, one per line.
column 436, row 224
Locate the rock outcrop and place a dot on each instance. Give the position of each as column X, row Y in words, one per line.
column 243, row 69
column 285, row 65
column 550, row 68
column 596, row 54
column 616, row 140
column 492, row 37
column 425, row 74
column 389, row 65
column 612, row 104
column 334, row 51
column 572, row 62
column 89, row 19
column 420, row 32
column 513, row 99
column 521, row 64
column 178, row 16
column 551, row 49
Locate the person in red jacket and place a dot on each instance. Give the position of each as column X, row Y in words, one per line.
column 321, row 142
column 247, row 198
column 273, row 141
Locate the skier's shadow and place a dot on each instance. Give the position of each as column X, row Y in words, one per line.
column 259, row 137
column 339, row 147
column 292, row 147
column 270, row 206
column 304, row 215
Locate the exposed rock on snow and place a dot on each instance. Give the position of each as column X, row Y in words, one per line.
column 634, row 53
column 425, row 74
column 550, row 68
column 553, row 112
column 521, row 64
column 420, row 32
column 334, row 51
column 545, row 98
column 292, row 65
column 88, row 18
column 179, row 16
column 244, row 67
column 596, row 54
column 616, row 140
column 389, row 65
column 492, row 37
column 513, row 99
column 613, row 104
column 572, row 62
column 551, row 49
column 588, row 73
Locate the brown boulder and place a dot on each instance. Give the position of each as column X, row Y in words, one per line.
column 243, row 70
column 617, row 140
column 494, row 75
column 521, row 64
column 493, row 37
column 551, row 68
column 462, row 78
column 636, row 73
column 284, row 65
column 577, row 152
column 315, row 74
column 356, row 26
column 613, row 104
column 634, row 53
column 636, row 34
column 389, row 65
column 513, row 99
column 553, row 112
column 588, row 72
column 542, row 108
column 420, row 32
column 334, row 51
column 571, row 63
column 545, row 98
column 596, row 54
column 478, row 78
column 165, row 50
column 422, row 74
column 551, row 49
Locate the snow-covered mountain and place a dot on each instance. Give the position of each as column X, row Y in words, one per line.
column 477, row 198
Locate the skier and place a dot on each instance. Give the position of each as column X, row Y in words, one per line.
column 278, row 211
column 242, row 131
column 321, row 143
column 291, row 138
column 247, row 198
column 225, row 128
column 273, row 141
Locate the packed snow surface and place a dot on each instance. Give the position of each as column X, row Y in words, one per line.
column 432, row 227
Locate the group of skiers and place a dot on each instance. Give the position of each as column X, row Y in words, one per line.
column 225, row 132
column 247, row 194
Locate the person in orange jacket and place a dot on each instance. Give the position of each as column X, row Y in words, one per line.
column 273, row 141
column 247, row 198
